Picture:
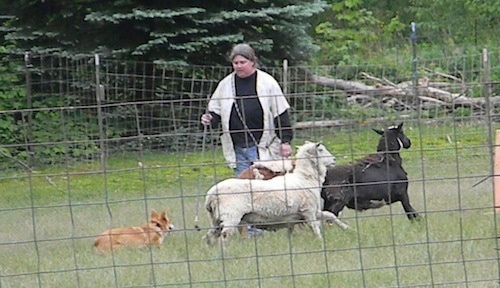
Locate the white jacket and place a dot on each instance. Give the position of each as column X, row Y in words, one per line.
column 273, row 104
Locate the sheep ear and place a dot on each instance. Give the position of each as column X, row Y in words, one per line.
column 379, row 132
column 319, row 143
column 308, row 142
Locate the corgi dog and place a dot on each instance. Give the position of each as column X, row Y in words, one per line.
column 150, row 234
column 266, row 170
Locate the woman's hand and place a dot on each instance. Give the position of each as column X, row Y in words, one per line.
column 285, row 150
column 206, row 119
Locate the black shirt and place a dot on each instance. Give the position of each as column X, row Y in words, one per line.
column 250, row 110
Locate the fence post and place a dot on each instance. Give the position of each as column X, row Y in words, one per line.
column 496, row 171
column 99, row 94
column 494, row 143
column 285, row 77
column 486, row 80
column 29, row 106
column 414, row 62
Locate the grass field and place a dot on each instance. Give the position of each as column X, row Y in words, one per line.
column 49, row 219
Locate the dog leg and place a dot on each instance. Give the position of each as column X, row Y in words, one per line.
column 257, row 174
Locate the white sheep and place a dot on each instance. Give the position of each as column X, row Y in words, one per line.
column 283, row 199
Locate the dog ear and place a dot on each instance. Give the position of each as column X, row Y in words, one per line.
column 154, row 214
column 164, row 214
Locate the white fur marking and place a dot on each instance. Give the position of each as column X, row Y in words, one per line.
column 400, row 143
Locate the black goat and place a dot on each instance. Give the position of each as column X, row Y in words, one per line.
column 372, row 182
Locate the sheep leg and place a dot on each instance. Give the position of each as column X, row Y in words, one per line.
column 229, row 224
column 329, row 216
column 212, row 235
column 313, row 222
column 290, row 227
column 315, row 226
column 227, row 231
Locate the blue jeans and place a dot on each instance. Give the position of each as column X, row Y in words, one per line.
column 245, row 156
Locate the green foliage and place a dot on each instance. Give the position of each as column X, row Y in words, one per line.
column 67, row 136
column 351, row 29
column 363, row 114
column 43, row 132
column 12, row 97
column 200, row 32
column 440, row 25
column 362, row 31
column 462, row 112
column 348, row 31
column 433, row 113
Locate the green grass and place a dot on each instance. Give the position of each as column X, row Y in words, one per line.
column 49, row 219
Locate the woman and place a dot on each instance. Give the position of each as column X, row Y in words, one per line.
column 253, row 111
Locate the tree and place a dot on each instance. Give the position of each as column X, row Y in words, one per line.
column 353, row 27
column 361, row 30
column 199, row 32
column 461, row 23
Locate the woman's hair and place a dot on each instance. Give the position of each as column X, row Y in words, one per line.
column 244, row 50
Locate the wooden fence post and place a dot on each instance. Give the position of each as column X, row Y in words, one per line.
column 494, row 143
column 285, row 77
column 496, row 177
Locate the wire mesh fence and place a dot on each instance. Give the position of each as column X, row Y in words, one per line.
column 90, row 144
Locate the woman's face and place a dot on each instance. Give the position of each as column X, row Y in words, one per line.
column 242, row 66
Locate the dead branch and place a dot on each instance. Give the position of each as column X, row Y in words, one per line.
column 404, row 95
column 444, row 75
column 380, row 80
column 24, row 165
column 351, row 86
